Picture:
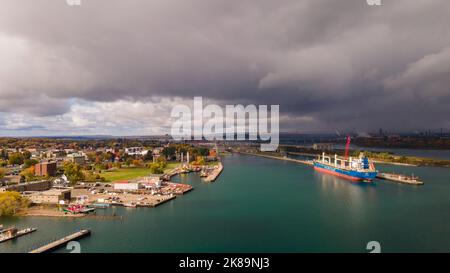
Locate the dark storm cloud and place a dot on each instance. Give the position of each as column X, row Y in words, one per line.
column 329, row 64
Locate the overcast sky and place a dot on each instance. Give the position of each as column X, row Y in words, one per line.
column 118, row 66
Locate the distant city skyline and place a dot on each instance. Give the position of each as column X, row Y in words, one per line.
column 118, row 67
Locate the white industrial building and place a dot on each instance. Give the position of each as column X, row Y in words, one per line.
column 127, row 186
column 136, row 151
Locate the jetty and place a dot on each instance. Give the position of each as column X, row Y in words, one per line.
column 59, row 243
column 12, row 233
column 214, row 173
column 410, row 180
column 305, row 162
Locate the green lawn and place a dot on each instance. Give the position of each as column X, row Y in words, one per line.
column 125, row 174
column 171, row 165
column 132, row 173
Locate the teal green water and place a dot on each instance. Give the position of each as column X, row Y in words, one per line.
column 264, row 205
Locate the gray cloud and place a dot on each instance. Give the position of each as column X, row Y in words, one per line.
column 329, row 64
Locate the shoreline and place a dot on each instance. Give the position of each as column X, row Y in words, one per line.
column 395, row 163
column 153, row 201
column 47, row 212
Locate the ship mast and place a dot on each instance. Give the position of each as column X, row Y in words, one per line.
column 347, row 147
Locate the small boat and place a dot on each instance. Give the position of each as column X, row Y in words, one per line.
column 130, row 205
column 76, row 209
column 87, row 210
column 100, row 205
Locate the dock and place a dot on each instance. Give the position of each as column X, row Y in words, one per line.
column 410, row 180
column 214, row 174
column 15, row 234
column 305, row 162
column 59, row 243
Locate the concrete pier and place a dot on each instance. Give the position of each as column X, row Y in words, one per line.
column 400, row 178
column 214, row 174
column 58, row 243
column 306, row 162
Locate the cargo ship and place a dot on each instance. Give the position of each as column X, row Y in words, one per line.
column 355, row 169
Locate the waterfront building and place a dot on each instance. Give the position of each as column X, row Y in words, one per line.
column 52, row 196
column 151, row 182
column 29, row 186
column 127, row 186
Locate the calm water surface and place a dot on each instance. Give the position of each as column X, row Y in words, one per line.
column 264, row 205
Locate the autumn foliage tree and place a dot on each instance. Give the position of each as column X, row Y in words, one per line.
column 28, row 174
column 74, row 172
column 12, row 202
column 2, row 173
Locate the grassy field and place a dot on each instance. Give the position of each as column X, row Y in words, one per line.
column 132, row 173
column 212, row 163
column 125, row 174
column 170, row 166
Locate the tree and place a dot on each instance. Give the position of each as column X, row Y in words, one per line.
column 162, row 161
column 4, row 154
column 91, row 156
column 148, row 156
column 137, row 163
column 11, row 202
column 30, row 162
column 2, row 173
column 15, row 159
column 28, row 174
column 26, row 155
column 128, row 162
column 169, row 152
column 73, row 172
column 156, row 168
column 91, row 177
column 200, row 160
column 203, row 151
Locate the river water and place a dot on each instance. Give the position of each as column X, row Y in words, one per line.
column 266, row 205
